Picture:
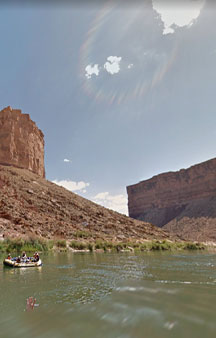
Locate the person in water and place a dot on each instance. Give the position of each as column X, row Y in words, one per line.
column 30, row 303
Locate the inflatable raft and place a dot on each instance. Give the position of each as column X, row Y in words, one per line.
column 14, row 264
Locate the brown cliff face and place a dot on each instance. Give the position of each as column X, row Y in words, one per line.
column 188, row 194
column 21, row 142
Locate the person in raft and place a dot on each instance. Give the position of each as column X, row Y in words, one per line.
column 18, row 260
column 9, row 256
column 24, row 257
column 36, row 257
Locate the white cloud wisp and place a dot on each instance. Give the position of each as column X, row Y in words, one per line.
column 115, row 202
column 73, row 186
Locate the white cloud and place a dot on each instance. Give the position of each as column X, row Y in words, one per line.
column 72, row 186
column 112, row 65
column 114, row 202
column 90, row 70
column 181, row 14
column 67, row 160
column 130, row 65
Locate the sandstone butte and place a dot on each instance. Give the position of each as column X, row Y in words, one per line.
column 182, row 202
column 21, row 142
column 31, row 205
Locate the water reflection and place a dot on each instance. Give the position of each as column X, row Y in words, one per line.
column 112, row 295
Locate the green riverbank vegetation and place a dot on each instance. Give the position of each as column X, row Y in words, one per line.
column 79, row 244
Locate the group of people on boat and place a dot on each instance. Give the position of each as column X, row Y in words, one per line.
column 24, row 258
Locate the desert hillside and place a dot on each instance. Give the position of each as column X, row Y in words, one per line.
column 31, row 205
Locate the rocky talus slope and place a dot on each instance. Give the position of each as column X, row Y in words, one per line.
column 182, row 202
column 31, row 205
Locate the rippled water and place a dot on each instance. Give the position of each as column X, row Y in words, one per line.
column 111, row 295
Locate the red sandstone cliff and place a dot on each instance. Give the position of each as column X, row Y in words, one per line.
column 184, row 202
column 21, row 142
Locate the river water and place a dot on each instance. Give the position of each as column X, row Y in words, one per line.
column 112, row 296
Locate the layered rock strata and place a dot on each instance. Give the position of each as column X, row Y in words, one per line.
column 175, row 199
column 21, row 142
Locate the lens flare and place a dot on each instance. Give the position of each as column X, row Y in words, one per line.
column 134, row 35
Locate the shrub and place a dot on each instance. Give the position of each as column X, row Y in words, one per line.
column 194, row 246
column 155, row 245
column 2, row 246
column 78, row 245
column 109, row 245
column 14, row 244
column 61, row 243
column 90, row 247
column 146, row 246
column 119, row 247
column 82, row 234
column 37, row 244
column 50, row 244
column 100, row 245
column 30, row 244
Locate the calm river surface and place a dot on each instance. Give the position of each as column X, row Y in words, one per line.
column 112, row 296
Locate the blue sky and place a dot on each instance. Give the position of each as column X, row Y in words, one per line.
column 121, row 92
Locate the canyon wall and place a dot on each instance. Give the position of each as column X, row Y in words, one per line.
column 167, row 198
column 21, row 142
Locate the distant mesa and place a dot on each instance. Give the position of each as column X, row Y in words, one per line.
column 183, row 202
column 21, row 142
